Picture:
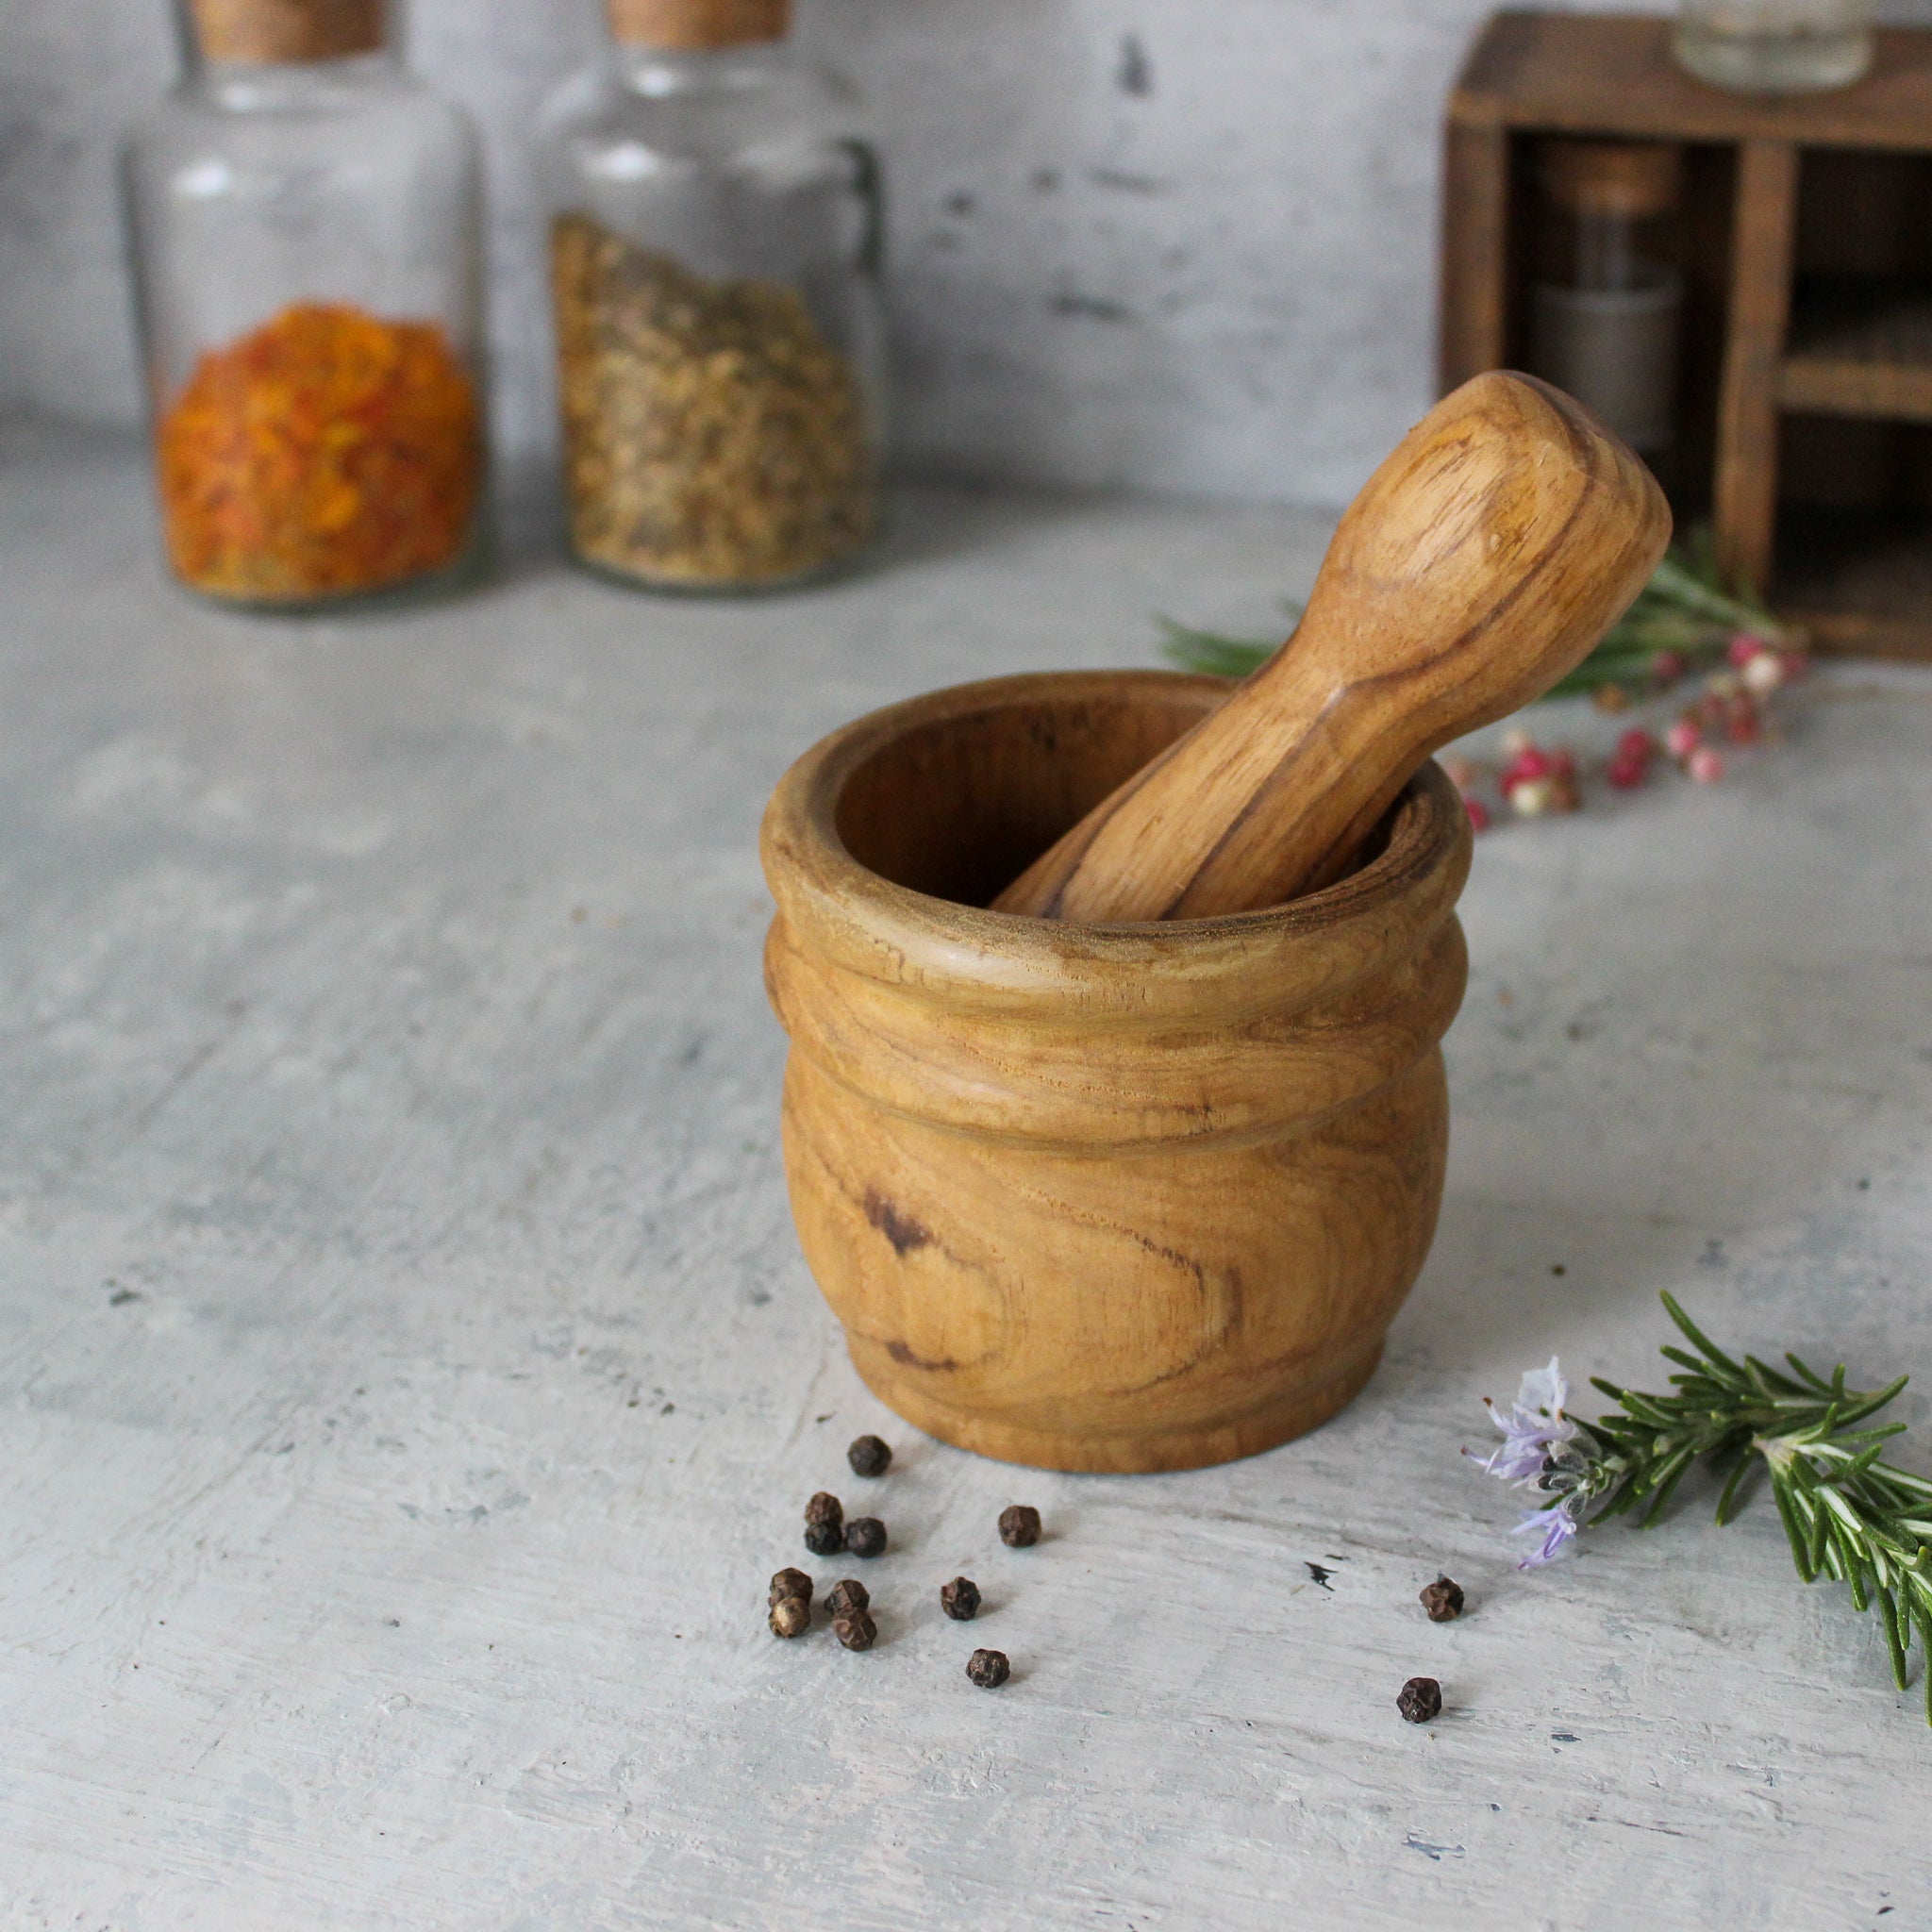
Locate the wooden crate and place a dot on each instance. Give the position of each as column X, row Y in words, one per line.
column 1806, row 414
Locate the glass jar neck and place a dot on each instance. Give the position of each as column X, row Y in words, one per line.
column 666, row 73
column 1607, row 256
column 275, row 86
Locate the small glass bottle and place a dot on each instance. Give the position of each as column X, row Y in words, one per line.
column 1605, row 317
column 1775, row 46
column 715, row 273
column 304, row 222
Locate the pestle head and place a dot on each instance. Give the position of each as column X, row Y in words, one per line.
column 1489, row 552
column 1483, row 560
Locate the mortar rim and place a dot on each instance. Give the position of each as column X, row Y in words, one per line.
column 860, row 920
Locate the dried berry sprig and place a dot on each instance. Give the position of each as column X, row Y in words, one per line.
column 1685, row 618
column 1688, row 613
column 1848, row 1514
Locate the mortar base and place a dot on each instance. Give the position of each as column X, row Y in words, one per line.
column 1085, row 1451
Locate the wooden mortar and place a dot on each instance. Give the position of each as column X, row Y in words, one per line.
column 1093, row 1197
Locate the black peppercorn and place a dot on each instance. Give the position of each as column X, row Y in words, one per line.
column 1020, row 1527
column 789, row 1583
column 959, row 1599
column 865, row 1536
column 1420, row 1700
column 791, row 1615
column 1443, row 1601
column 989, row 1669
column 843, row 1598
column 825, row 1525
column 856, row 1630
column 868, row 1455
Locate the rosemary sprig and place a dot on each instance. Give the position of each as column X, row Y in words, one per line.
column 1684, row 619
column 1849, row 1514
column 1213, row 652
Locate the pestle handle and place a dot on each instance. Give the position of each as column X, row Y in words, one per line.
column 1484, row 559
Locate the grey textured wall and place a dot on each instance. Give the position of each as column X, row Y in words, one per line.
column 1176, row 244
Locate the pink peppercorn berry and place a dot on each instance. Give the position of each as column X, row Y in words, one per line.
column 1478, row 814
column 1630, row 762
column 1705, row 766
column 1530, row 764
column 1683, row 737
column 1744, row 646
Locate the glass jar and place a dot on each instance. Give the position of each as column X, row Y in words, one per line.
column 1605, row 315
column 1775, row 46
column 304, row 221
column 715, row 274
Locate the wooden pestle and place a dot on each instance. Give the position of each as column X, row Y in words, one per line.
column 1485, row 558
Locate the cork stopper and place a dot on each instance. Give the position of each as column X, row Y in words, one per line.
column 692, row 26
column 277, row 30
column 1632, row 179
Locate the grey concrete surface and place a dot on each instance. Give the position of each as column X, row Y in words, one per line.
column 409, row 1377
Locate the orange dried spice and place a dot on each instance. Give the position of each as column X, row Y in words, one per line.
column 323, row 453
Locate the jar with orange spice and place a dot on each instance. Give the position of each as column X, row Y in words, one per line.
column 304, row 222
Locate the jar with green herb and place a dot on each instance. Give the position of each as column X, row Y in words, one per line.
column 714, row 259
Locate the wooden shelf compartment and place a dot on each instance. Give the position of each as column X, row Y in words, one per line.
column 1854, row 532
column 1872, row 360
column 1807, row 248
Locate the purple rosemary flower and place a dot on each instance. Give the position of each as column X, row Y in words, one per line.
column 1535, row 1432
column 1557, row 1526
column 1543, row 1449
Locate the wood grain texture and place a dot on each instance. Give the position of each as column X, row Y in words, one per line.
column 1473, row 319
column 288, row 30
column 694, row 25
column 1482, row 561
column 1874, row 362
column 1745, row 504
column 1092, row 1198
